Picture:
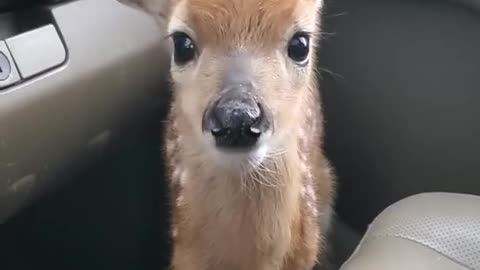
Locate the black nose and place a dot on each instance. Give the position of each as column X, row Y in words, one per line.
column 237, row 120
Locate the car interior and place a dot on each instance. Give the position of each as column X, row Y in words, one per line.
column 84, row 94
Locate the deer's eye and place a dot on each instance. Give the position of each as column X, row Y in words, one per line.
column 299, row 48
column 184, row 48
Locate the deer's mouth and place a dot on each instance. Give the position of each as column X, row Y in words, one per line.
column 237, row 128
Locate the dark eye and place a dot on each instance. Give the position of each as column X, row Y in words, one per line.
column 299, row 48
column 184, row 48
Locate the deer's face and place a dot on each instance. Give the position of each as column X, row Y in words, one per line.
column 240, row 69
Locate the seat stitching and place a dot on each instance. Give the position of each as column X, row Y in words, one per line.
column 425, row 245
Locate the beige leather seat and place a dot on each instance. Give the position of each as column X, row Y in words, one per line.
column 431, row 231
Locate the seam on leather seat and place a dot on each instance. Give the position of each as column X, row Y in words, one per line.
column 357, row 248
column 457, row 237
column 374, row 237
column 400, row 222
column 452, row 233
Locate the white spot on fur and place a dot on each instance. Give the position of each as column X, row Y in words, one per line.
column 309, row 176
column 174, row 232
column 174, row 124
column 311, row 198
column 179, row 140
column 302, row 155
column 184, row 177
column 301, row 133
column 176, row 174
column 303, row 167
column 180, row 200
column 314, row 212
column 309, row 113
column 310, row 192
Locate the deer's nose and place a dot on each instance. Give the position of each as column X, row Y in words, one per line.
column 236, row 120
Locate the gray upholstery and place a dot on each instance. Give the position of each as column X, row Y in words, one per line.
column 469, row 3
column 402, row 100
column 438, row 231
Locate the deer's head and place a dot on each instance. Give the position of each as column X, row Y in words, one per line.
column 240, row 70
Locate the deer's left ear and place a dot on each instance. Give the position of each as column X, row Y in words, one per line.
column 153, row 7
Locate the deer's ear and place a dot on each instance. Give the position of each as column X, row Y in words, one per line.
column 153, row 7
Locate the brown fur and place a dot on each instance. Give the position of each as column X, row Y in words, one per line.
column 273, row 217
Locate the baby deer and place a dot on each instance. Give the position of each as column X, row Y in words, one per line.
column 250, row 186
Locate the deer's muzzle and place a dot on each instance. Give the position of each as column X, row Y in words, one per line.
column 236, row 119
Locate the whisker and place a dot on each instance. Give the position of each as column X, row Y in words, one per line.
column 331, row 73
column 261, row 180
column 329, row 34
column 336, row 15
column 276, row 154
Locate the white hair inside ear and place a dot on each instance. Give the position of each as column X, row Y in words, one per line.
column 153, row 7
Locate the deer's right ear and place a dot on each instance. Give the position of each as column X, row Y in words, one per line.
column 152, row 7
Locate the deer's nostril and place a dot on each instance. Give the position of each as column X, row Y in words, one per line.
column 219, row 132
column 252, row 133
column 255, row 132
